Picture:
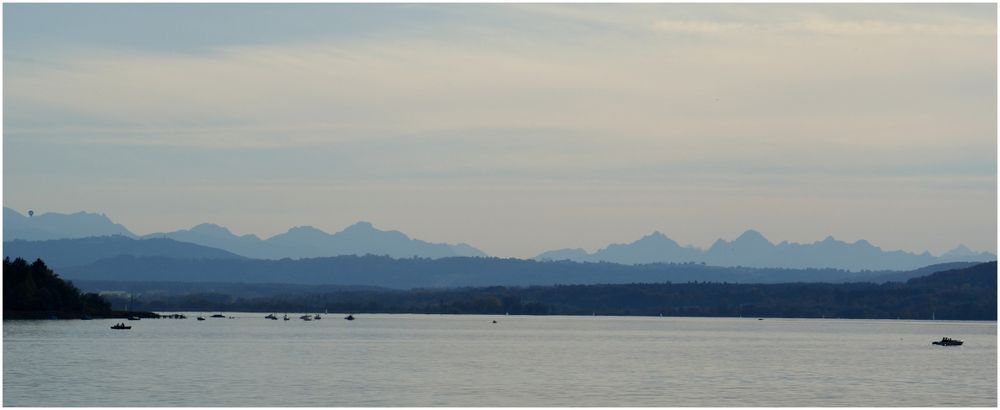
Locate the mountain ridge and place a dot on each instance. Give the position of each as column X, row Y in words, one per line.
column 60, row 253
column 753, row 249
column 310, row 242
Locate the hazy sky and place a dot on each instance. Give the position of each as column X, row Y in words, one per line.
column 515, row 128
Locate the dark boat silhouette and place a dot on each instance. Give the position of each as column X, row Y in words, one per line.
column 200, row 318
column 349, row 317
column 271, row 316
column 121, row 326
column 947, row 341
column 307, row 318
column 218, row 315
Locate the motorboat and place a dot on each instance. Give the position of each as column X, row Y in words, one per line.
column 286, row 318
column 947, row 341
column 121, row 326
column 218, row 315
column 317, row 317
column 200, row 318
column 349, row 317
column 307, row 318
column 271, row 316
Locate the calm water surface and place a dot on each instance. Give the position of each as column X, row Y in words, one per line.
column 417, row 360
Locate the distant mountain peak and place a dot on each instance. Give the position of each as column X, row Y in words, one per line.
column 963, row 252
column 961, row 248
column 305, row 230
column 751, row 236
column 656, row 238
column 212, row 229
column 866, row 246
column 655, row 235
column 361, row 226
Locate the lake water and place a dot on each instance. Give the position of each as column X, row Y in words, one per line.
column 430, row 360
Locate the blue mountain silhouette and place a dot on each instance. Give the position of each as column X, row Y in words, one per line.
column 309, row 242
column 58, row 226
column 752, row 249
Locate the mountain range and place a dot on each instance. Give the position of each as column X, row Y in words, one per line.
column 58, row 226
column 298, row 242
column 307, row 242
column 751, row 249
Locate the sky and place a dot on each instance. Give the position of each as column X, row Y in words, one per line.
column 515, row 128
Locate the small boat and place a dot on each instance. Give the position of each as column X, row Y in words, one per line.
column 121, row 326
column 271, row 316
column 307, row 318
column 286, row 318
column 218, row 315
column 200, row 318
column 947, row 341
column 349, row 317
column 317, row 317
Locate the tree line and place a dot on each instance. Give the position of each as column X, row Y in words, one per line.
column 964, row 294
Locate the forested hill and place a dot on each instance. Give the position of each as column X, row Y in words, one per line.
column 60, row 253
column 965, row 294
column 980, row 276
column 445, row 272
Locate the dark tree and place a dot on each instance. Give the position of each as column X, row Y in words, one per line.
column 35, row 290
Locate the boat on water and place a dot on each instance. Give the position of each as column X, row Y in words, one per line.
column 307, row 318
column 218, row 315
column 947, row 341
column 349, row 317
column 121, row 326
column 286, row 318
column 271, row 316
column 200, row 318
column 317, row 317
